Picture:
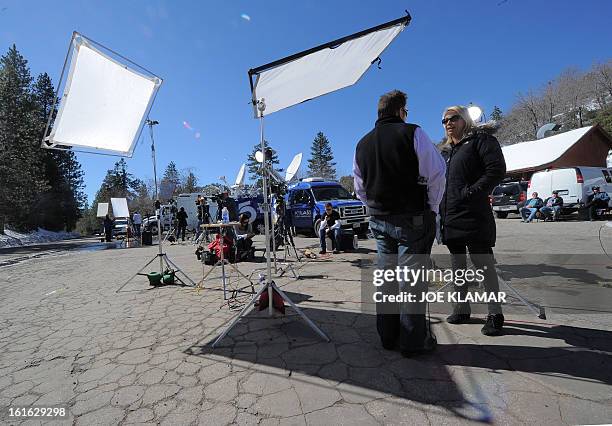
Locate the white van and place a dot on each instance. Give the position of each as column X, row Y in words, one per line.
column 573, row 183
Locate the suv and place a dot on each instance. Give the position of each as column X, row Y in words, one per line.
column 306, row 204
column 508, row 198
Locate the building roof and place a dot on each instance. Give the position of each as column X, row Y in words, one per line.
column 533, row 154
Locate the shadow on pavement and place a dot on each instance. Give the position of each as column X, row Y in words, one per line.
column 356, row 362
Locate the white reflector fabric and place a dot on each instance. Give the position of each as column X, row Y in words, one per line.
column 104, row 103
column 120, row 207
column 321, row 72
column 102, row 209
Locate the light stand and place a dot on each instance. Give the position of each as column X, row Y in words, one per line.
column 163, row 257
column 269, row 285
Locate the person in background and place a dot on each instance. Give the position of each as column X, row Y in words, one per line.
column 475, row 165
column 399, row 174
column 244, row 235
column 181, row 218
column 137, row 222
column 203, row 213
column 597, row 200
column 109, row 224
column 552, row 206
column 330, row 227
column 531, row 207
column 230, row 203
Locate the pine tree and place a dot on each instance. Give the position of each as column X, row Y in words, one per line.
column 118, row 183
column 61, row 206
column 254, row 167
column 321, row 162
column 496, row 114
column 21, row 173
column 171, row 181
column 189, row 184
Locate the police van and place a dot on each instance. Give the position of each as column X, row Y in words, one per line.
column 306, row 201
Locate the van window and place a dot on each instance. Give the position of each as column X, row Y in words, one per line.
column 607, row 176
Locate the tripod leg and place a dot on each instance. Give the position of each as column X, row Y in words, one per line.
column 235, row 268
column 242, row 313
column 540, row 312
column 177, row 269
column 137, row 273
column 302, row 314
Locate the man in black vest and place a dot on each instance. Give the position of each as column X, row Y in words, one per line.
column 399, row 174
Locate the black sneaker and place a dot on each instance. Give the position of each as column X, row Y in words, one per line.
column 322, row 252
column 494, row 325
column 458, row 319
column 336, row 251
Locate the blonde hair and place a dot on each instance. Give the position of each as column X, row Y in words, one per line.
column 465, row 115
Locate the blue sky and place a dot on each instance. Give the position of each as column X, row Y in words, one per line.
column 453, row 52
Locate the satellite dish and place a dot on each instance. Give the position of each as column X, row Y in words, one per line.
column 293, row 167
column 259, row 157
column 550, row 127
column 240, row 177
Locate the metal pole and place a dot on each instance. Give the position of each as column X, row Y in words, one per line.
column 262, row 107
column 159, row 220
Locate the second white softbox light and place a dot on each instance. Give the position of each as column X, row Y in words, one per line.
column 324, row 69
column 104, row 102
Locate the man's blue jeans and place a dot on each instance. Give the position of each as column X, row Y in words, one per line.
column 403, row 240
column 528, row 213
column 551, row 211
column 334, row 237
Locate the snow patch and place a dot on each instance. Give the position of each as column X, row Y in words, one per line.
column 18, row 239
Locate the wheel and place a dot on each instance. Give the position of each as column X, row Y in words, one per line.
column 316, row 227
column 153, row 229
column 501, row 215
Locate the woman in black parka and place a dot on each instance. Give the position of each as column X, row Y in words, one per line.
column 475, row 165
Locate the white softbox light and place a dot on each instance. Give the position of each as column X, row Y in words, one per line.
column 104, row 102
column 102, row 209
column 323, row 69
column 120, row 207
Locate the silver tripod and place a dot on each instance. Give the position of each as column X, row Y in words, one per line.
column 163, row 257
column 269, row 285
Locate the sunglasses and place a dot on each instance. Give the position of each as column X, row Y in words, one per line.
column 452, row 119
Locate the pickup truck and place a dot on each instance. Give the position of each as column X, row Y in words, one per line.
column 306, row 201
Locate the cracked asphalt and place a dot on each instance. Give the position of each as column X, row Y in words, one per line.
column 143, row 355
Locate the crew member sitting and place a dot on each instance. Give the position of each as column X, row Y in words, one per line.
column 596, row 201
column 552, row 206
column 531, row 207
column 244, row 237
column 330, row 227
